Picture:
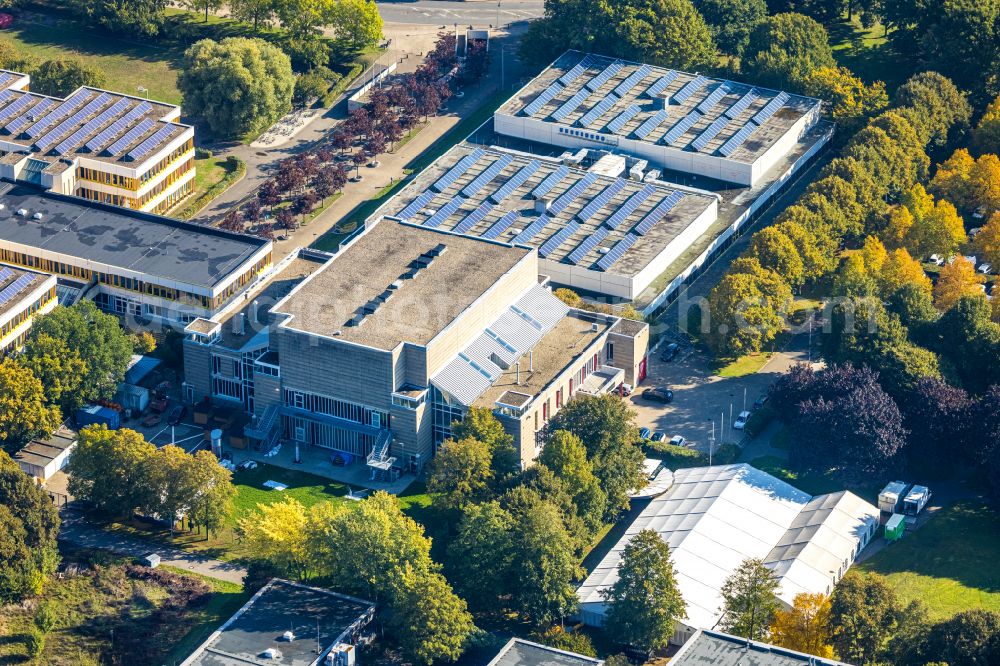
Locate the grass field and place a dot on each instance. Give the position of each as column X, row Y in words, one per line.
column 127, row 64
column 867, row 53
column 950, row 563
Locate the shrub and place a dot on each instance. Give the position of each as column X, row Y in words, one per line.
column 202, row 153
column 759, row 420
column 46, row 617
column 571, row 641
column 34, row 643
column 675, row 457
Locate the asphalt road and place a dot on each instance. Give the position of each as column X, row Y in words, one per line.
column 478, row 13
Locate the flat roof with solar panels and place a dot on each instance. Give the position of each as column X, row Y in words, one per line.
column 734, row 132
column 18, row 286
column 99, row 125
column 599, row 233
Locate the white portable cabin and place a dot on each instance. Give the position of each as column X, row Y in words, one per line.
column 891, row 497
column 916, row 500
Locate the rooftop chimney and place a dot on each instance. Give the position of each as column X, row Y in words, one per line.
column 239, row 323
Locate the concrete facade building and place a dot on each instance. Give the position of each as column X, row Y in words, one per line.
column 714, row 518
column 130, row 263
column 24, row 295
column 96, row 144
column 377, row 351
column 682, row 122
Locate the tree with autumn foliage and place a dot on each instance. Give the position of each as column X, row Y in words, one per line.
column 957, row 279
column 805, row 626
column 850, row 101
column 987, row 241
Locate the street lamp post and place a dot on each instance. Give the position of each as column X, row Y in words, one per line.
column 144, row 91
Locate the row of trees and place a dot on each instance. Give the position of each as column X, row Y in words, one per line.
column 371, row 549
column 73, row 356
column 121, row 473
column 29, row 523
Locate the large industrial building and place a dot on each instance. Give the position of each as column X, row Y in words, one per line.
column 24, row 295
column 595, row 232
column 714, row 518
column 627, row 178
column 377, row 351
column 682, row 122
column 130, row 263
column 96, row 144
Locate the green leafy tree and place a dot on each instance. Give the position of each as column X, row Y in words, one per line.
column 170, row 486
column 599, row 421
column 815, row 249
column 61, row 77
column 785, row 48
column 864, row 615
column 11, row 58
column 966, row 336
column 749, row 601
column 481, row 424
column 566, row 456
column 986, row 136
column 238, row 85
column 207, row 5
column 644, row 604
column 544, row 562
column 211, row 503
column 357, row 23
column 23, row 412
column 428, row 620
column 277, row 534
column 131, row 18
column 934, row 106
column 850, row 101
column 460, row 473
column 29, row 523
column 968, row 638
column 894, row 163
column 107, row 469
column 481, row 554
column 747, row 311
column 776, row 252
column 732, row 21
column 853, row 278
column 99, row 341
column 258, row 13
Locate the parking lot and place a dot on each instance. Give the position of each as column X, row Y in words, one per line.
column 701, row 397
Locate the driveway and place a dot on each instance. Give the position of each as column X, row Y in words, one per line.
column 478, row 14
column 76, row 531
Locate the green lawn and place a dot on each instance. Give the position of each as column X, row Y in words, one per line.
column 867, row 53
column 127, row 64
column 308, row 489
column 744, row 365
column 950, row 563
column 213, row 176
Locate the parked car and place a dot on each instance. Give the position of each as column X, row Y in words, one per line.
column 656, row 394
column 937, row 260
column 985, row 269
column 760, row 402
column 625, row 390
column 644, row 433
column 658, row 437
column 677, row 440
column 741, row 420
column 669, row 352
column 177, row 415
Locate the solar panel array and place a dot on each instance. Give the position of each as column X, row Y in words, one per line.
column 444, row 212
column 76, row 137
column 632, row 79
column 550, row 181
column 771, row 108
column 681, row 127
column 622, row 118
column 713, row 98
column 690, row 88
column 453, row 173
column 575, row 73
column 651, row 123
column 605, row 262
column 558, row 238
column 658, row 213
column 741, row 104
column 629, row 207
column 5, row 273
column 414, row 206
column 569, row 106
column 131, row 136
column 604, row 76
column 532, row 230
column 473, row 218
column 661, row 84
column 64, row 109
column 97, row 143
column 33, row 114
column 588, row 244
column 501, row 225
column 16, row 107
column 488, row 174
column 710, row 133
column 737, row 140
column 46, row 141
column 599, row 109
column 15, row 287
column 543, row 98
column 601, row 200
column 150, row 143
column 572, row 193
column 516, row 181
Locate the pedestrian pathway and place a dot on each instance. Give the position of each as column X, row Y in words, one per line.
column 75, row 530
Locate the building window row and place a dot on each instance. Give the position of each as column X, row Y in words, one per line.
column 166, row 162
column 28, row 312
column 242, row 280
column 106, row 197
column 129, row 182
column 590, row 136
column 171, row 199
column 341, row 409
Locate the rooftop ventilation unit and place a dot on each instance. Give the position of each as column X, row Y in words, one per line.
column 38, row 216
column 23, row 212
column 288, row 636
